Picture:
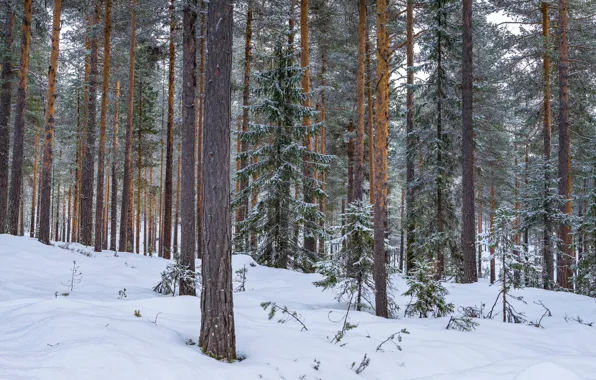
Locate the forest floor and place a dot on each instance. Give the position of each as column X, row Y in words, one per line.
column 92, row 334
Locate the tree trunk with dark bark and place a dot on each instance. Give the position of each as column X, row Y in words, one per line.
column 16, row 173
column 410, row 138
column 115, row 147
column 359, row 148
column 468, row 234
column 46, row 175
column 34, row 187
column 218, row 338
column 99, row 202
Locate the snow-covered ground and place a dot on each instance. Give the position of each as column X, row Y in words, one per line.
column 92, row 334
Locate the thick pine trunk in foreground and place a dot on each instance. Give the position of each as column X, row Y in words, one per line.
column 565, row 257
column 89, row 156
column 5, row 99
column 381, row 161
column 186, row 193
column 99, row 204
column 468, row 233
column 218, row 337
column 16, row 173
column 125, row 212
column 46, row 175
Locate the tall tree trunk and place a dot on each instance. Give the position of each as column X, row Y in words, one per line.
column 145, row 205
column 46, row 174
column 69, row 220
column 218, row 337
column 565, row 256
column 99, row 204
column 125, row 212
column 323, row 116
column 480, row 209
column 189, row 75
column 167, row 213
column 115, row 147
column 243, row 208
column 310, row 243
column 139, row 169
column 492, row 224
column 200, row 123
column 401, row 230
column 89, row 156
column 77, row 178
column 440, row 141
column 177, row 206
column 5, row 99
column 381, row 160
column 350, row 162
column 359, row 148
column 16, row 173
column 151, row 221
column 410, row 138
column 468, row 235
column 57, row 202
column 34, row 187
column 106, row 213
column 371, row 136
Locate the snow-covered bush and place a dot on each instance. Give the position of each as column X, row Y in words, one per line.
column 171, row 277
column 427, row 295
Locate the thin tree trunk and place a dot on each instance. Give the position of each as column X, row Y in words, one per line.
column 145, row 206
column 186, row 185
column 125, row 214
column 16, row 173
column 359, row 148
column 350, row 162
column 310, row 243
column 69, row 220
column 565, row 256
column 46, row 175
column 480, row 209
column 151, row 221
column 410, row 138
column 177, row 206
column 167, row 217
column 492, row 223
column 77, row 178
column 371, row 136
column 323, row 116
column 139, row 169
column 57, row 201
column 468, row 235
column 99, row 203
column 34, row 187
column 381, row 161
column 115, row 147
column 440, row 142
column 218, row 337
column 161, row 200
column 401, row 230
column 89, row 156
column 5, row 100
column 106, row 213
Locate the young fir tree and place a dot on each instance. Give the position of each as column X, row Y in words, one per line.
column 427, row 294
column 350, row 270
column 277, row 154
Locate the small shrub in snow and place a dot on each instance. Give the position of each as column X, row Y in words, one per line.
column 362, row 366
column 578, row 320
column 137, row 313
column 241, row 278
column 190, row 342
column 346, row 326
column 286, row 313
column 174, row 273
column 63, row 294
column 317, row 364
column 391, row 338
column 472, row 311
column 122, row 294
column 461, row 324
column 427, row 295
column 75, row 278
column 547, row 313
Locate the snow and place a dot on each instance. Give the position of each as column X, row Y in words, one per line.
column 91, row 334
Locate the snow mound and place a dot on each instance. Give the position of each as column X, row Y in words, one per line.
column 93, row 333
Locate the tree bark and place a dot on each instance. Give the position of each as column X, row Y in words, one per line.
column 46, row 175
column 189, row 76
column 359, row 148
column 167, row 212
column 139, row 169
column 323, row 143
column 34, row 187
column 89, row 156
column 177, row 206
column 16, row 173
column 99, row 203
column 565, row 256
column 218, row 338
column 125, row 212
column 468, row 235
column 200, row 123
column 548, row 272
column 5, row 99
column 492, row 223
column 381, row 161
column 410, row 138
column 115, row 147
column 350, row 162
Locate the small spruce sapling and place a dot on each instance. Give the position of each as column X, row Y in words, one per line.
column 286, row 313
column 346, row 325
column 427, row 295
column 137, row 313
column 75, row 278
column 391, row 338
column 172, row 275
column 122, row 294
column 241, row 278
column 362, row 366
